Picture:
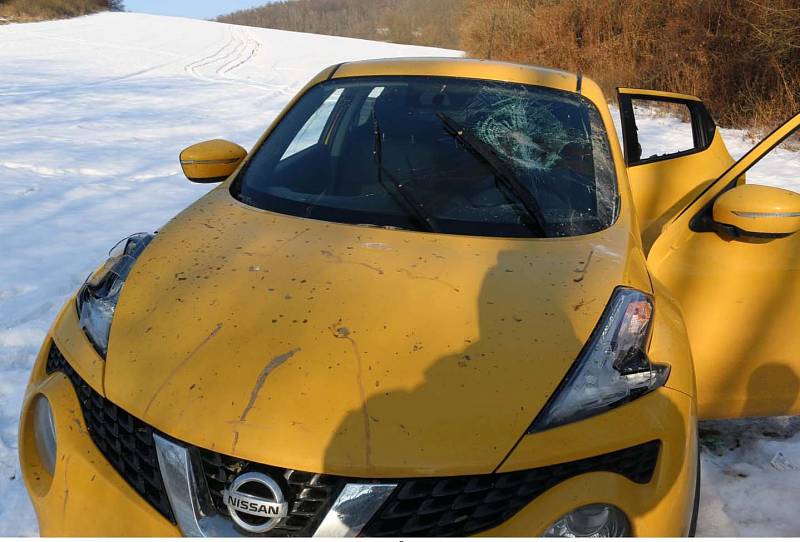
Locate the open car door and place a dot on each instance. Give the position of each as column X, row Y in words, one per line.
column 671, row 163
column 732, row 260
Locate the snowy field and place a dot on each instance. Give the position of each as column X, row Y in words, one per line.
column 93, row 113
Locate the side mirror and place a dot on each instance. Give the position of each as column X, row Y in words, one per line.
column 211, row 161
column 759, row 210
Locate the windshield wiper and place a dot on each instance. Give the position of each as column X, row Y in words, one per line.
column 397, row 189
column 533, row 216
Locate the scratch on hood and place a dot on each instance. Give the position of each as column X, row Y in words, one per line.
column 180, row 365
column 271, row 366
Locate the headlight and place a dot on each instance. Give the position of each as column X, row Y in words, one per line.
column 613, row 367
column 594, row 520
column 44, row 432
column 98, row 296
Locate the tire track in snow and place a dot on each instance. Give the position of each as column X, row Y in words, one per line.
column 210, row 59
column 238, row 51
column 218, row 67
column 254, row 46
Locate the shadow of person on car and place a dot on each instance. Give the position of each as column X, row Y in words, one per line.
column 473, row 408
column 773, row 390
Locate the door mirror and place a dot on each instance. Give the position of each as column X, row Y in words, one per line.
column 211, row 161
column 759, row 210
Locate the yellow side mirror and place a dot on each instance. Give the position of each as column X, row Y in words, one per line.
column 211, row 161
column 757, row 209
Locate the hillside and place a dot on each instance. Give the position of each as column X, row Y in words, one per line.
column 740, row 56
column 418, row 22
column 94, row 113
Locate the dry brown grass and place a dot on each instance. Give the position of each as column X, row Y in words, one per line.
column 42, row 10
column 741, row 56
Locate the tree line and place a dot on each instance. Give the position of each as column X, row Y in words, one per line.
column 741, row 56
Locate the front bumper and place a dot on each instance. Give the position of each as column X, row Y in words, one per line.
column 88, row 497
column 85, row 496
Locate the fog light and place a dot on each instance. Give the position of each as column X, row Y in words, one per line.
column 44, row 432
column 594, row 520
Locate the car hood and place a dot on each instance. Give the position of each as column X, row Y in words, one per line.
column 354, row 350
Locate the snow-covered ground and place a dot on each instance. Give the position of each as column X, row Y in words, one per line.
column 93, row 113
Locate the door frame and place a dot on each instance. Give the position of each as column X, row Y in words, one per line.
column 703, row 125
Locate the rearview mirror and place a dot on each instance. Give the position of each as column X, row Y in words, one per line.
column 759, row 210
column 211, row 161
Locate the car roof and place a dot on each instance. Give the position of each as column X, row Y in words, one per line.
column 471, row 68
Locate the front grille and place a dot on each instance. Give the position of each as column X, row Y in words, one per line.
column 463, row 505
column 125, row 441
column 310, row 495
column 443, row 506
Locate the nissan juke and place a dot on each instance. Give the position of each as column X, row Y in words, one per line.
column 436, row 298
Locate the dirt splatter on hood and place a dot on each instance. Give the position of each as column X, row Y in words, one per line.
column 353, row 350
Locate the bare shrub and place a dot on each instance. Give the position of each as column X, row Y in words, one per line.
column 41, row 10
column 420, row 22
column 741, row 56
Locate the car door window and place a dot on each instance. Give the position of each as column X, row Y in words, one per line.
column 780, row 167
column 672, row 150
column 659, row 128
column 664, row 129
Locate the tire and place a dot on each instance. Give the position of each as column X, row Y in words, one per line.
column 696, row 509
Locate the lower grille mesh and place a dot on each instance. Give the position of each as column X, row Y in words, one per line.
column 463, row 505
column 431, row 507
column 126, row 442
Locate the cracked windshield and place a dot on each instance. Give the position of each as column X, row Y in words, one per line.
column 438, row 154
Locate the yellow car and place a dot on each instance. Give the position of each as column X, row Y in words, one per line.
column 435, row 299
